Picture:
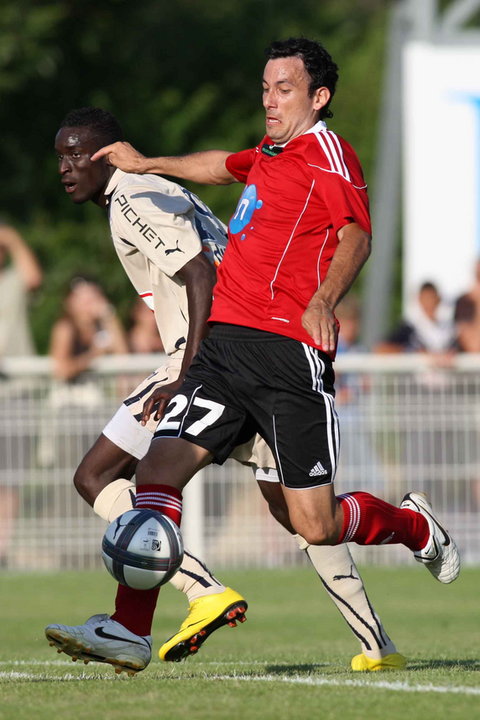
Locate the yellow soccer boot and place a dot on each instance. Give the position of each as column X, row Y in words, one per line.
column 206, row 614
column 394, row 661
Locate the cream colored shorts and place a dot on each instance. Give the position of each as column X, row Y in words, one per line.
column 125, row 430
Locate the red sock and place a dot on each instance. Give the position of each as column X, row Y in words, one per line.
column 163, row 498
column 134, row 609
column 367, row 520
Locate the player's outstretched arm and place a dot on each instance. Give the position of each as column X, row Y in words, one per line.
column 206, row 167
column 124, row 156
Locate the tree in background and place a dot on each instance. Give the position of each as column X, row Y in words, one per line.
column 180, row 76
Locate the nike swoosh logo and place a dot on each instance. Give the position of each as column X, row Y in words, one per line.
column 445, row 536
column 101, row 633
column 195, row 623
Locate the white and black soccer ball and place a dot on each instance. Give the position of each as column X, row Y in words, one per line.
column 142, row 549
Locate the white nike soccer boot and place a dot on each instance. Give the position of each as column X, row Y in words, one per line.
column 440, row 554
column 104, row 640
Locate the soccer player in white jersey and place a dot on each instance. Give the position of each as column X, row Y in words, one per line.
column 169, row 244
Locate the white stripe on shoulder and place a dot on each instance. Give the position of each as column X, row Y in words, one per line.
column 333, row 152
column 332, row 148
column 326, row 150
column 336, row 143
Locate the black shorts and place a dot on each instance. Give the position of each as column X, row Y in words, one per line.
column 245, row 381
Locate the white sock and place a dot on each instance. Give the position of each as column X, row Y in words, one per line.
column 115, row 499
column 193, row 577
column 341, row 579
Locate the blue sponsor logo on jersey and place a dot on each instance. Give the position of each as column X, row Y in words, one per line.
column 247, row 205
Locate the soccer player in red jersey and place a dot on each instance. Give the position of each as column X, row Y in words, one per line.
column 169, row 243
column 297, row 240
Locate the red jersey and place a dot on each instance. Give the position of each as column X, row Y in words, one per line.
column 283, row 234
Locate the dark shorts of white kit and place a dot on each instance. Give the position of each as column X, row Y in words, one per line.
column 245, row 381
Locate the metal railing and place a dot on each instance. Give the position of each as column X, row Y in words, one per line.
column 405, row 424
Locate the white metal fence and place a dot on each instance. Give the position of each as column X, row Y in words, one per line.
column 404, row 425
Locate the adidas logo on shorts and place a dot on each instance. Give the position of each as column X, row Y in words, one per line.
column 317, row 470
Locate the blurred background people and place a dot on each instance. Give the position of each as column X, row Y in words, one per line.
column 20, row 274
column 143, row 335
column 359, row 460
column 467, row 324
column 467, row 316
column 348, row 313
column 428, row 326
column 88, row 327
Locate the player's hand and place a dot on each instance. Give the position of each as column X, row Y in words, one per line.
column 158, row 401
column 121, row 155
column 320, row 323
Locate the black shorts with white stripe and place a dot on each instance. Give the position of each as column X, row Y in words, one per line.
column 245, row 381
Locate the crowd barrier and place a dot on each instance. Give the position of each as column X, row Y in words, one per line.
column 405, row 422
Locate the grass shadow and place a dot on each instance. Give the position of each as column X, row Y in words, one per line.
column 306, row 669
column 430, row 664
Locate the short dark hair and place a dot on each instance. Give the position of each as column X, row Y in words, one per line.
column 318, row 63
column 429, row 285
column 102, row 122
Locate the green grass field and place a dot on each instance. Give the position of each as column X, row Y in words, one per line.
column 290, row 660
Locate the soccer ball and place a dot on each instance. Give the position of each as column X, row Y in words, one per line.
column 142, row 549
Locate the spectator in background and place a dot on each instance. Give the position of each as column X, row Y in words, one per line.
column 428, row 326
column 467, row 324
column 143, row 335
column 88, row 328
column 359, row 458
column 348, row 314
column 467, row 317
column 20, row 273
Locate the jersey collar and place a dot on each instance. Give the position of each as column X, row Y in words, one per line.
column 318, row 127
column 113, row 182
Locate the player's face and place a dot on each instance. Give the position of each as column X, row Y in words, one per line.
column 82, row 179
column 290, row 110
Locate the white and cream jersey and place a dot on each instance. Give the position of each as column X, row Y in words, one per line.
column 157, row 227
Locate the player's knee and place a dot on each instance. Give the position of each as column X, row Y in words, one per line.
column 318, row 532
column 86, row 482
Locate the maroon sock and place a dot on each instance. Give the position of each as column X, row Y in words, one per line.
column 367, row 520
column 135, row 609
column 163, row 498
